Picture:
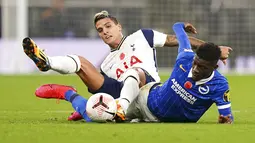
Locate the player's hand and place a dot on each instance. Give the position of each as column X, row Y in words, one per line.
column 225, row 119
column 189, row 28
column 225, row 51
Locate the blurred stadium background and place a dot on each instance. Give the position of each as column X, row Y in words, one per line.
column 57, row 24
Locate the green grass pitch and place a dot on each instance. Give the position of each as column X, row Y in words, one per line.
column 27, row 119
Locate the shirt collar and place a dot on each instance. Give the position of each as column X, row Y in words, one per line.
column 121, row 41
column 201, row 81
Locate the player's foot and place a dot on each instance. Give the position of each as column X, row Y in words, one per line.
column 75, row 116
column 36, row 54
column 120, row 115
column 53, row 91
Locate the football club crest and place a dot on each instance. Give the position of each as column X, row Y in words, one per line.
column 203, row 89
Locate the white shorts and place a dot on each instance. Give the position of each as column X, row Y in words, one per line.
column 139, row 109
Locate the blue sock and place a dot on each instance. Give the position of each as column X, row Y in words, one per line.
column 70, row 95
column 78, row 102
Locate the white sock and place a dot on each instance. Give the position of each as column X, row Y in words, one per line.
column 65, row 64
column 129, row 92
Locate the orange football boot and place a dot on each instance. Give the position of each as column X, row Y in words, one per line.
column 36, row 54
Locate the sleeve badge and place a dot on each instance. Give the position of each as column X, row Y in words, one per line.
column 226, row 96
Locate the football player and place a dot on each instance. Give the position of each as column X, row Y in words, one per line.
column 194, row 85
column 130, row 65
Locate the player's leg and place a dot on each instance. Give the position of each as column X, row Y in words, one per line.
column 64, row 64
column 92, row 79
column 78, row 103
column 132, row 81
column 130, row 88
column 67, row 93
column 61, row 64
column 142, row 100
column 90, row 75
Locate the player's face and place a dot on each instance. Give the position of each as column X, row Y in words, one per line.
column 109, row 32
column 202, row 69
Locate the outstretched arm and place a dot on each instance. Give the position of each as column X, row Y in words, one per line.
column 225, row 50
column 171, row 41
column 180, row 31
column 195, row 43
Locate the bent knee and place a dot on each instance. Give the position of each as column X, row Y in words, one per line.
column 136, row 73
column 142, row 76
column 77, row 61
column 82, row 59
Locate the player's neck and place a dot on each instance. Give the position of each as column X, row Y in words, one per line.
column 117, row 42
column 209, row 75
column 114, row 45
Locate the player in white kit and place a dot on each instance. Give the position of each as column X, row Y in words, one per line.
column 130, row 65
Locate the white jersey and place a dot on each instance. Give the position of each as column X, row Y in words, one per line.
column 135, row 50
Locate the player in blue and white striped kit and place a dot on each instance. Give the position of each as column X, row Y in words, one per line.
column 193, row 86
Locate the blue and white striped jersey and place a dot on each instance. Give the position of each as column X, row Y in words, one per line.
column 176, row 102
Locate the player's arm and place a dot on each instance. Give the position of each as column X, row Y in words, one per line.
column 158, row 39
column 182, row 37
column 172, row 41
column 224, row 108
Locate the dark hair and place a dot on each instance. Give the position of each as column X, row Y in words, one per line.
column 102, row 15
column 209, row 52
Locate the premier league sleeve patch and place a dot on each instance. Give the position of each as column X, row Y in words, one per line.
column 226, row 96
